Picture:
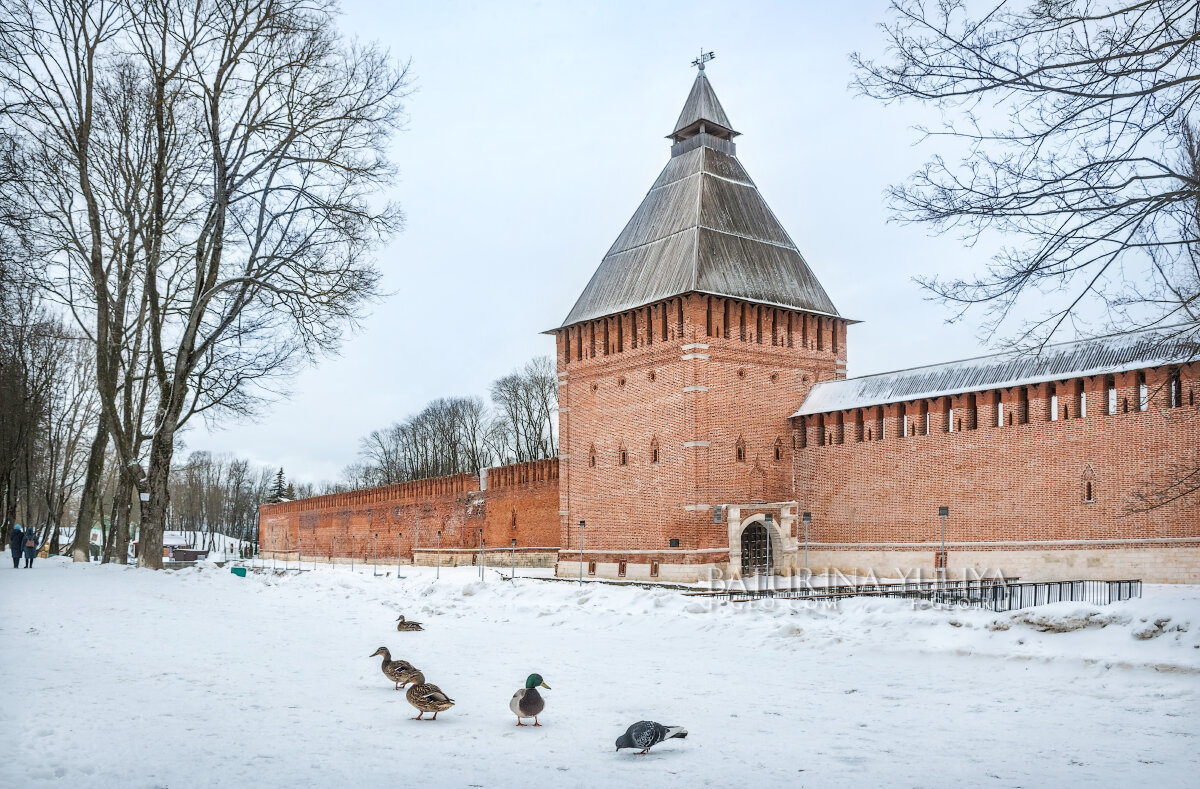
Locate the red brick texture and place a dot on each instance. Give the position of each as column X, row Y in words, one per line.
column 670, row 409
column 1026, row 481
column 521, row 503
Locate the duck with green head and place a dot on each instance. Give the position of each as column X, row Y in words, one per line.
column 527, row 702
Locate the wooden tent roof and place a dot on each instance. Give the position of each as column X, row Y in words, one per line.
column 703, row 227
column 702, row 106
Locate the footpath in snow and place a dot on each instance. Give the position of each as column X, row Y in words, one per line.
column 124, row 677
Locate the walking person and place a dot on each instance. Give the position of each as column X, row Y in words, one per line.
column 31, row 546
column 16, row 542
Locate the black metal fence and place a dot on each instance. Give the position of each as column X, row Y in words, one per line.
column 995, row 594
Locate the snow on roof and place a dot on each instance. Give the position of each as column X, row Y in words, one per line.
column 1097, row 356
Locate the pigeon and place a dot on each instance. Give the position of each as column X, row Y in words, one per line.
column 647, row 734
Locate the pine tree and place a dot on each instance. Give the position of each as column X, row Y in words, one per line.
column 290, row 493
column 278, row 488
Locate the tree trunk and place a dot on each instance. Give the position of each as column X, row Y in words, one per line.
column 89, row 497
column 117, row 549
column 107, row 531
column 121, row 541
column 10, row 501
column 154, row 511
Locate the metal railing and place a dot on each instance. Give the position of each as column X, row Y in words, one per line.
column 994, row 594
column 849, row 589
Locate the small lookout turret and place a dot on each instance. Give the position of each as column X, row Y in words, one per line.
column 702, row 112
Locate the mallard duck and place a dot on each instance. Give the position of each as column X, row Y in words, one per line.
column 527, row 702
column 647, row 734
column 425, row 696
column 393, row 669
column 406, row 627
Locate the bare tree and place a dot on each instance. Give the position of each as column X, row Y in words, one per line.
column 72, row 414
column 1074, row 119
column 50, row 53
column 215, row 495
column 28, row 366
column 293, row 126
column 233, row 238
column 542, row 383
column 527, row 402
column 448, row 436
column 458, row 435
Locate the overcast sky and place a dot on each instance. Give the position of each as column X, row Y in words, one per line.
column 535, row 131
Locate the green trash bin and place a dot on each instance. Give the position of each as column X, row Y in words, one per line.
column 240, row 572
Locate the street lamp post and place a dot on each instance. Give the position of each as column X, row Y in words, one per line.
column 514, row 560
column 399, row 535
column 481, row 554
column 768, row 519
column 438, row 572
column 943, row 513
column 807, row 518
column 581, row 525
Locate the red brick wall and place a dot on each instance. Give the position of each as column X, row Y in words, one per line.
column 708, row 392
column 1023, row 481
column 399, row 518
column 522, row 503
column 1013, row 483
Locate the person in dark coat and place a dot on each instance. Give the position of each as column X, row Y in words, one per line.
column 16, row 541
column 31, row 546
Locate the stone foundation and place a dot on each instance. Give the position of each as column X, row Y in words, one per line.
column 1157, row 565
column 640, row 571
column 497, row 559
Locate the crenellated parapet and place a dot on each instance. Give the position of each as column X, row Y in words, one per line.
column 399, row 522
column 411, row 491
column 534, row 472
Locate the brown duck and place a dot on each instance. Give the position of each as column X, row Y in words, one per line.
column 407, row 627
column 393, row 669
column 425, row 696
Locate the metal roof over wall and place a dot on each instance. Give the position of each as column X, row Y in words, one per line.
column 703, row 227
column 1098, row 356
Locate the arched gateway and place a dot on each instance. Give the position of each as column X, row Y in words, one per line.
column 756, row 550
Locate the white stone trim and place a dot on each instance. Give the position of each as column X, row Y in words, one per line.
column 697, row 507
column 696, row 443
column 857, row 546
column 691, row 389
column 564, row 512
column 569, row 552
column 495, row 550
column 693, row 345
column 687, row 356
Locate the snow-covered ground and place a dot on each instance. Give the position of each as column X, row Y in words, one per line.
column 125, row 677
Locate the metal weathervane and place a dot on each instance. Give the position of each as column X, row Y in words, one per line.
column 704, row 58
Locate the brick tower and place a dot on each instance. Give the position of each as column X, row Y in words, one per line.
column 679, row 366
